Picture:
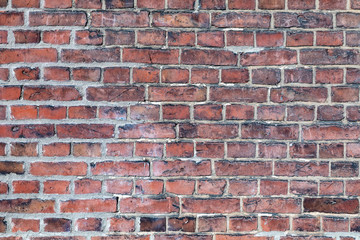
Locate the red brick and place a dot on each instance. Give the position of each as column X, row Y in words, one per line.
column 269, row 39
column 181, row 20
column 235, row 4
column 210, row 150
column 186, row 4
column 181, row 38
column 88, row 205
column 298, row 94
column 180, row 149
column 244, row 187
column 296, row 39
column 306, row 224
column 52, row 112
column 242, row 168
column 334, row 38
column 4, row 73
column 301, row 5
column 93, row 4
column 240, row 38
column 155, row 4
column 147, row 130
column 46, row 93
column 303, row 187
column 180, row 187
column 114, row 4
column 208, row 112
column 122, row 224
column 177, row 94
column 219, row 205
column 272, row 150
column 26, row 186
column 146, row 75
column 332, row 4
column 119, row 19
column 266, row 131
column 239, row 112
column 303, row 20
column 208, row 57
column 266, row 76
column 329, row 75
column 302, row 150
column 57, row 4
column 269, row 57
column 117, row 113
column 331, row 188
column 331, row 205
column 149, row 187
column 82, row 112
column 56, row 37
column 326, row 56
column 24, row 112
column 272, row 205
column 27, row 206
column 238, row 94
column 241, row 149
column 30, row 55
column 352, row 39
column 86, row 131
column 243, row 224
column 241, row 20
column 116, row 75
column 56, row 187
column 235, row 75
column 149, row 205
column 270, row 223
column 174, row 75
column 330, row 132
column 344, row 169
column 88, row 224
column 211, row 39
column 57, row 19
column 113, row 37
column 121, row 168
column 24, row 149
column 297, row 168
column 148, row 149
column 87, row 186
column 26, row 3
column 58, row 168
column 57, row 73
column 90, row 55
column 11, row 18
column 119, row 186
column 27, row 36
column 27, row 131
column 151, row 37
column 211, row 131
column 273, row 113
column 119, row 149
column 335, row 224
column 181, row 168
column 172, row 112
column 57, row 225
column 184, row 224
column 330, row 113
column 211, row 187
column 273, row 187
column 298, row 75
column 25, row 225
column 153, row 56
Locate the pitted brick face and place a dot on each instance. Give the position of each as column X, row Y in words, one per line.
column 179, row 119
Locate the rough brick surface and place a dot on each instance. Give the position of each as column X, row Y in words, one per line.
column 179, row 119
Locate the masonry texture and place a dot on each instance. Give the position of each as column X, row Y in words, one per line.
column 179, row 119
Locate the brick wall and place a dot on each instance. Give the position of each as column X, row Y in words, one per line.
column 179, row 119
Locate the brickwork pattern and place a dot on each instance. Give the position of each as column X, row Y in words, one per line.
column 179, row 119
